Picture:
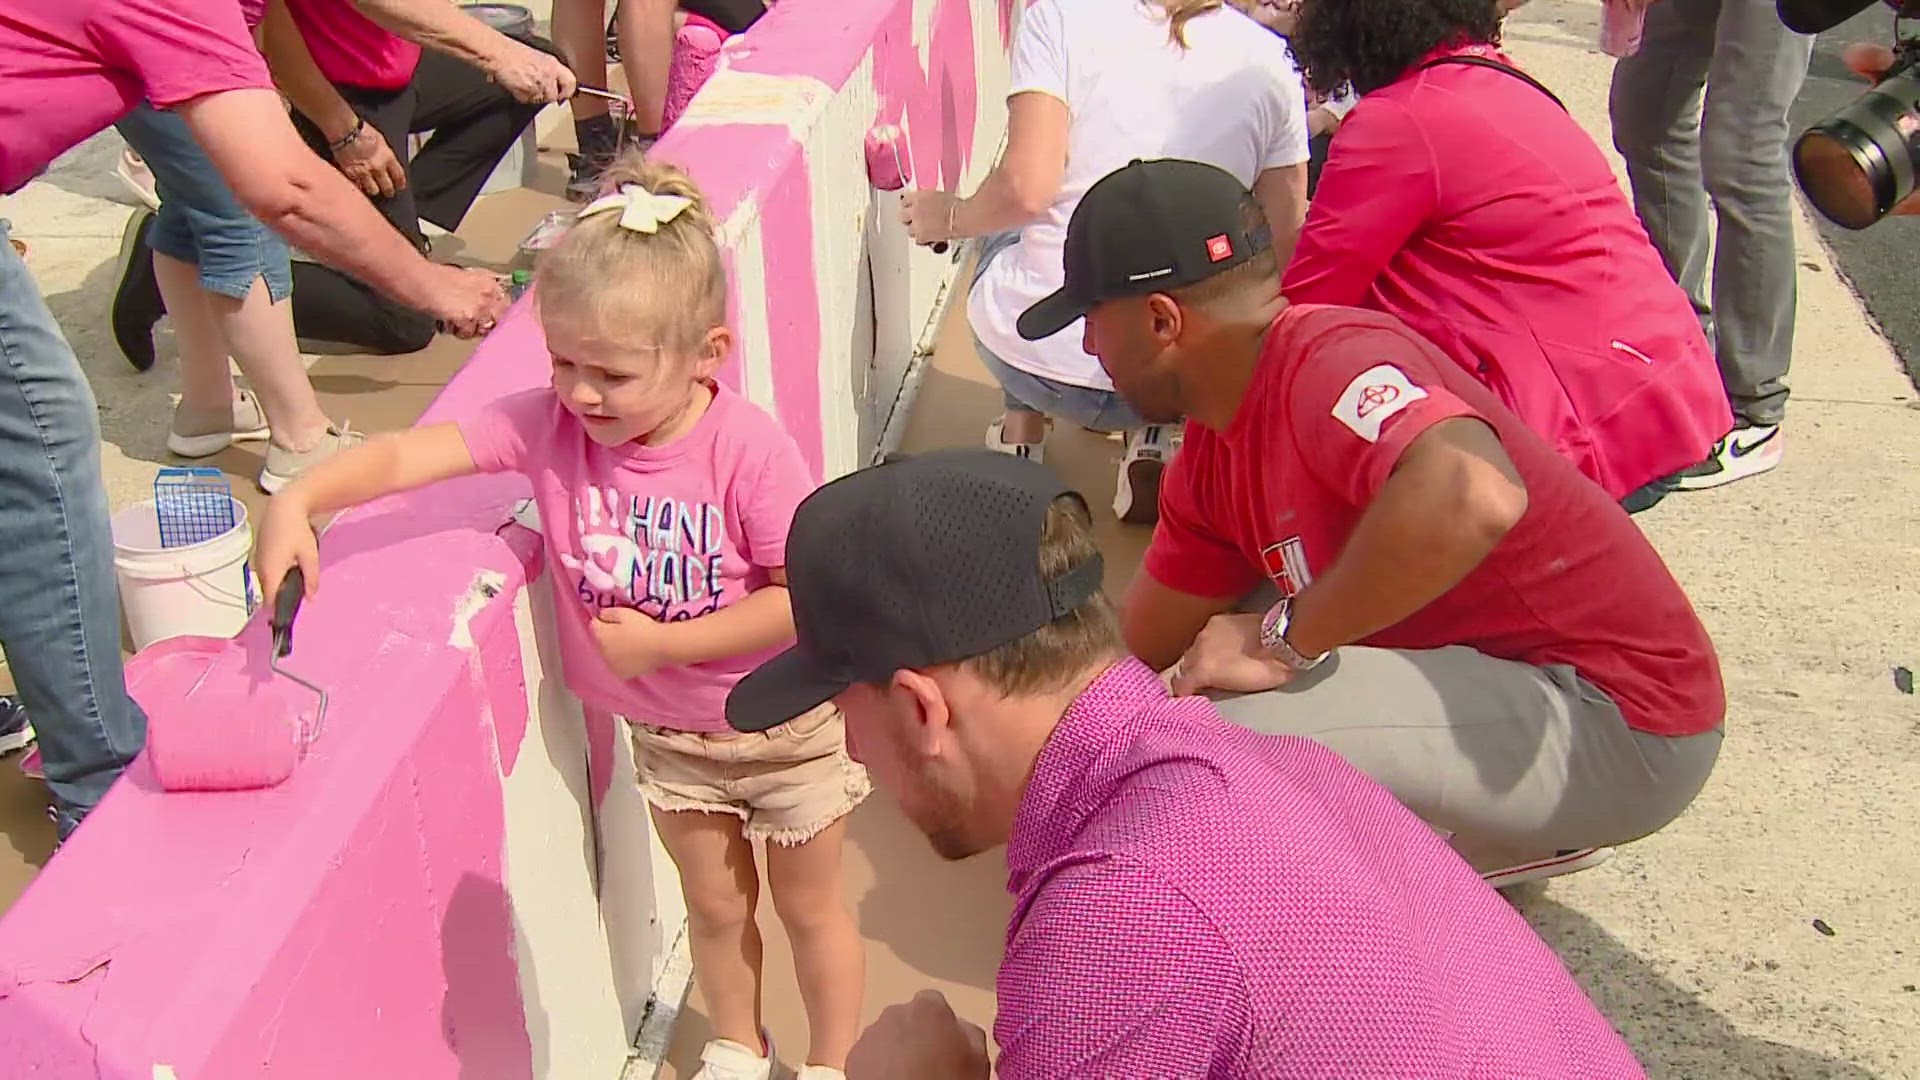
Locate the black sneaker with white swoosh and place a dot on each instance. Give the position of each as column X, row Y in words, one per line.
column 1746, row 451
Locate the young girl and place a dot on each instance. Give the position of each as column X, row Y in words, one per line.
column 665, row 498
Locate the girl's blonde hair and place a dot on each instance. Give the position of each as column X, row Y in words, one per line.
column 1181, row 12
column 666, row 287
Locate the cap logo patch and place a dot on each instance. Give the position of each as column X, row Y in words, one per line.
column 1373, row 397
column 1219, row 248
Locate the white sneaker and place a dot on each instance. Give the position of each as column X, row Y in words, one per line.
column 1136, row 493
column 997, row 440
column 198, row 433
column 1746, row 451
column 724, row 1059
column 1565, row 862
column 137, row 178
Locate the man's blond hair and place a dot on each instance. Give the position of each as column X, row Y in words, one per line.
column 1056, row 656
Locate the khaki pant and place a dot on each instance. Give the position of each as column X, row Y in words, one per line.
column 1515, row 761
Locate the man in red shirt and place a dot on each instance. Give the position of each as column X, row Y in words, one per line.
column 1463, row 616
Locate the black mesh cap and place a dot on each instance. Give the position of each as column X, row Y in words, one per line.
column 925, row 560
column 1147, row 228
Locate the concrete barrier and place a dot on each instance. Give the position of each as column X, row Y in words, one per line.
column 459, row 880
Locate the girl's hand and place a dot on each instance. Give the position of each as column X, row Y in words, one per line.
column 286, row 541
column 632, row 642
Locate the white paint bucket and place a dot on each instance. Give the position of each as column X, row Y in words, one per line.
column 202, row 589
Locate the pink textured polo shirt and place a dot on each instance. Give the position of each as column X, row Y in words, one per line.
column 1195, row 900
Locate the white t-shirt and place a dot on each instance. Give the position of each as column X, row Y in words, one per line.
column 1233, row 98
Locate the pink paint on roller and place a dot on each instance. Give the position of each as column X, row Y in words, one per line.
column 696, row 52
column 222, row 738
column 887, row 157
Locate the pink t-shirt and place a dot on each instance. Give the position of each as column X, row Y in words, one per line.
column 351, row 49
column 676, row 531
column 1196, row 900
column 72, row 67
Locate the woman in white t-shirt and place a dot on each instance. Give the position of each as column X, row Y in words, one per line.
column 1095, row 84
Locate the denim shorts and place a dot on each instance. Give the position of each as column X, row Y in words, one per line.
column 1101, row 410
column 200, row 221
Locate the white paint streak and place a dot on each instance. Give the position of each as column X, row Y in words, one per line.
column 756, row 334
column 487, row 584
column 745, row 97
column 164, row 1072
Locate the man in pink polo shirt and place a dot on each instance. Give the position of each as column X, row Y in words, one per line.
column 1461, row 614
column 1192, row 899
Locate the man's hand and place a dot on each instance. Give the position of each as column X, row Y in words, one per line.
column 1872, row 62
column 928, row 215
column 530, row 75
column 1227, row 656
column 466, row 300
column 632, row 642
column 370, row 163
column 922, row 1039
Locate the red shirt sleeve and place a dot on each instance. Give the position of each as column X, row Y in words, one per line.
column 1077, row 999
column 1379, row 186
column 181, row 49
column 1357, row 399
column 1187, row 555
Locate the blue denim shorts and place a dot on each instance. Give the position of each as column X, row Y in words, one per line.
column 200, row 220
column 1101, row 410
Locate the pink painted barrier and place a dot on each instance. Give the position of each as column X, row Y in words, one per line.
column 459, row 881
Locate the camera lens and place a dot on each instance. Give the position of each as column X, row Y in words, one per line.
column 1855, row 165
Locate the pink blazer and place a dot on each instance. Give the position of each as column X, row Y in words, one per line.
column 1468, row 204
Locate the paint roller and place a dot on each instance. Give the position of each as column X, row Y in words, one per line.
column 887, row 170
column 232, row 739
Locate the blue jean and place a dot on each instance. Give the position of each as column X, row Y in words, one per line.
column 1101, row 410
column 200, row 222
column 59, row 606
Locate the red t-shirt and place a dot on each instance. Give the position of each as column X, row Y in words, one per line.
column 351, row 49
column 1337, row 397
column 69, row 69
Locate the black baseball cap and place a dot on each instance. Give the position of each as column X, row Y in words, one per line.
column 1147, row 228
column 929, row 559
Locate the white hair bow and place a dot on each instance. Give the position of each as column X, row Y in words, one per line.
column 640, row 210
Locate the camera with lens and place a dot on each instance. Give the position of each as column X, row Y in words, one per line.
column 1858, row 164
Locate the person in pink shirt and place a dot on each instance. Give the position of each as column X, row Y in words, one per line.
column 665, row 498
column 1506, row 241
column 68, row 70
column 1191, row 899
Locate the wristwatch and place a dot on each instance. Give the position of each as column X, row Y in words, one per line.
column 1273, row 638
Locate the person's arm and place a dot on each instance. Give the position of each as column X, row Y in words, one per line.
column 1076, row 998
column 527, row 73
column 1189, row 574
column 635, row 643
column 365, row 159
column 1376, row 190
column 1451, row 498
column 1027, row 179
column 384, row 465
column 253, row 144
column 1282, row 194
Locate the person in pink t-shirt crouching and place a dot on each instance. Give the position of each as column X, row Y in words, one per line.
column 665, row 498
column 1191, row 899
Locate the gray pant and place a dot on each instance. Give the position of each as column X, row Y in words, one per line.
column 1516, row 761
column 1734, row 151
column 59, row 606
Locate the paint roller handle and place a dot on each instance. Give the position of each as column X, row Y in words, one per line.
column 286, row 608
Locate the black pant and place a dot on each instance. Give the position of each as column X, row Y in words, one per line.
column 474, row 123
column 1317, row 147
